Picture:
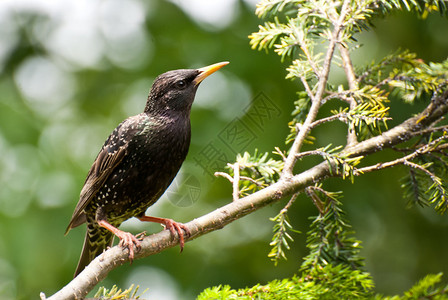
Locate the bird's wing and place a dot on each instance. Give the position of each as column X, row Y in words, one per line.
column 110, row 156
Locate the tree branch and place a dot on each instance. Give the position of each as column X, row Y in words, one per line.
column 352, row 85
column 236, row 181
column 98, row 269
column 340, row 116
column 405, row 160
column 317, row 98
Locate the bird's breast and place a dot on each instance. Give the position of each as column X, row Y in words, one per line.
column 154, row 156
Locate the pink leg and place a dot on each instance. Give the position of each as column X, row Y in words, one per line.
column 127, row 239
column 172, row 226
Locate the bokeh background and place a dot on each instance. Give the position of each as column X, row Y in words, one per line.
column 70, row 71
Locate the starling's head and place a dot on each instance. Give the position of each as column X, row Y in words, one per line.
column 175, row 90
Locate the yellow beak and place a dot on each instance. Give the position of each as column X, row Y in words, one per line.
column 206, row 71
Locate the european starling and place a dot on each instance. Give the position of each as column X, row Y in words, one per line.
column 136, row 165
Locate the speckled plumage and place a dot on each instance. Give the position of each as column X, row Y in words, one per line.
column 137, row 163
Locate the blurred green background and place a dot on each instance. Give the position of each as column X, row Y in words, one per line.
column 70, row 71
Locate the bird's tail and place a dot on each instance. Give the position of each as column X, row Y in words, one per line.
column 96, row 241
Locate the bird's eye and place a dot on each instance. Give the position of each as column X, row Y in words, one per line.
column 181, row 84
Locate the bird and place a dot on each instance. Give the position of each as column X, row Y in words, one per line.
column 136, row 164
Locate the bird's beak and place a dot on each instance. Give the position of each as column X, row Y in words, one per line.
column 206, row 71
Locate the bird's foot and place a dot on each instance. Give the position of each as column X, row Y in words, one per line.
column 173, row 226
column 128, row 240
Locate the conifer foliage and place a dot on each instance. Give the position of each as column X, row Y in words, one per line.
column 313, row 37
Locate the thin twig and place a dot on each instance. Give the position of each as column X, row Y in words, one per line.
column 254, row 181
column 307, row 88
column 231, row 179
column 225, row 175
column 308, row 56
column 236, row 181
column 405, row 159
column 353, row 85
column 348, row 67
column 290, row 202
column 432, row 130
column 340, row 116
column 309, row 153
column 315, row 105
column 280, row 152
column 316, row 200
column 419, row 167
column 345, row 96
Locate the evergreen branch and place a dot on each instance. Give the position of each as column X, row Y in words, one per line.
column 419, row 167
column 307, row 88
column 363, row 114
column 273, row 6
column 305, row 70
column 302, row 106
column 278, row 151
column 437, row 191
column 421, row 7
column 405, row 160
column 115, row 293
column 98, row 269
column 432, row 130
column 316, row 103
column 281, row 237
column 424, row 288
column 329, row 239
column 368, row 119
column 415, row 189
column 328, row 282
column 403, row 60
column 321, row 151
column 236, row 181
column 340, row 164
column 260, row 172
column 353, row 85
column 310, row 192
column 342, row 116
column 268, row 34
column 311, row 60
column 407, row 76
column 434, row 191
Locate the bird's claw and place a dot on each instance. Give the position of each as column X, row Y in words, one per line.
column 179, row 228
column 128, row 240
